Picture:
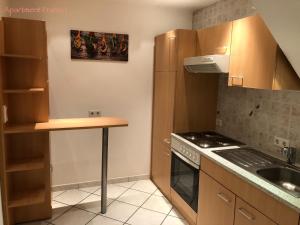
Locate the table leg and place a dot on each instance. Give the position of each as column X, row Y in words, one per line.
column 104, row 170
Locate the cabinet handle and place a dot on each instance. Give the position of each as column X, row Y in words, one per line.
column 246, row 214
column 224, row 197
column 167, row 141
column 237, row 77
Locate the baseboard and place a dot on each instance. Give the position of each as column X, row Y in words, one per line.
column 65, row 187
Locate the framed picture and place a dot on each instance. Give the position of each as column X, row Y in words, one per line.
column 99, row 46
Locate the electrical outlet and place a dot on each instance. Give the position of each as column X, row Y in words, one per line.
column 95, row 113
column 219, row 122
column 281, row 142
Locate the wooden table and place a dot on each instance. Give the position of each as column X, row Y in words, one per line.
column 74, row 124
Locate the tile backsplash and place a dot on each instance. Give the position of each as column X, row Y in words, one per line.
column 250, row 115
column 222, row 11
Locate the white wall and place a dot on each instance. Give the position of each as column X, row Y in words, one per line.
column 117, row 89
column 282, row 18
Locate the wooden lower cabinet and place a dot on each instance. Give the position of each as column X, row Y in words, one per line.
column 216, row 203
column 247, row 215
column 161, row 166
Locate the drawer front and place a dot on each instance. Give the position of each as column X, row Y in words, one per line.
column 247, row 215
column 266, row 204
column 216, row 203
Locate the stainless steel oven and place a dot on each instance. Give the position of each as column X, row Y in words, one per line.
column 185, row 174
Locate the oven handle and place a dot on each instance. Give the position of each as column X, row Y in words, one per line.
column 185, row 159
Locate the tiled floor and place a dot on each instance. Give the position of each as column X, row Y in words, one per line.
column 135, row 203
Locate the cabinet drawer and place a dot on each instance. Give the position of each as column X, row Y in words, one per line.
column 216, row 203
column 263, row 202
column 246, row 215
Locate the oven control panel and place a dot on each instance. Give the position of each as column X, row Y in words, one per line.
column 186, row 150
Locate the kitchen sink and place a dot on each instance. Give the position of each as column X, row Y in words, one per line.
column 275, row 171
column 286, row 178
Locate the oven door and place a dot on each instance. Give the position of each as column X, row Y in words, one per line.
column 185, row 179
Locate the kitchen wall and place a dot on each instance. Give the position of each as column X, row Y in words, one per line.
column 250, row 115
column 116, row 88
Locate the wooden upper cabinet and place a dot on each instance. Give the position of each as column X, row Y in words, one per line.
column 214, row 40
column 285, row 76
column 253, row 54
column 165, row 52
column 247, row 215
column 216, row 203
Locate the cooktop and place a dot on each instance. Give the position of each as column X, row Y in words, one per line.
column 209, row 139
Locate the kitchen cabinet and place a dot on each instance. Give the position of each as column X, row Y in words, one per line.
column 181, row 101
column 247, row 215
column 216, row 203
column 256, row 60
column 265, row 204
column 214, row 40
column 253, row 54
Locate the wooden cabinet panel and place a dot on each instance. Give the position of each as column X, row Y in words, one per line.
column 286, row 77
column 185, row 210
column 216, row 203
column 272, row 208
column 164, row 92
column 247, row 215
column 164, row 87
column 214, row 40
column 165, row 52
column 253, row 54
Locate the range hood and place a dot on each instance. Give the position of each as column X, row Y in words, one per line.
column 207, row 64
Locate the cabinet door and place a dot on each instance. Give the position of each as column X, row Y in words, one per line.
column 164, row 88
column 165, row 52
column 214, row 40
column 216, row 203
column 246, row 215
column 253, row 54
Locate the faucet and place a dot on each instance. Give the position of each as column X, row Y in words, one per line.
column 290, row 154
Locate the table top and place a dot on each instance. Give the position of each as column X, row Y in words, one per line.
column 67, row 124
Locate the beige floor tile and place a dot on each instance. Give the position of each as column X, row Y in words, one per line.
column 120, row 211
column 74, row 217
column 126, row 184
column 90, row 189
column 100, row 220
column 92, row 203
column 170, row 220
column 113, row 191
column 158, row 193
column 71, row 197
column 144, row 185
column 134, row 197
column 157, row 203
column 175, row 213
column 146, row 217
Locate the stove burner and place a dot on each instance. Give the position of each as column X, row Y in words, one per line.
column 209, row 139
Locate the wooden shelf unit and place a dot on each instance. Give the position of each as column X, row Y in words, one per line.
column 24, row 158
column 23, row 91
column 26, row 198
column 25, row 165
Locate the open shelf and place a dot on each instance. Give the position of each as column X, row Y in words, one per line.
column 25, row 165
column 27, row 198
column 20, row 56
column 23, row 91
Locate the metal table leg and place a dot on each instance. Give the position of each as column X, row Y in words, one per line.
column 104, row 170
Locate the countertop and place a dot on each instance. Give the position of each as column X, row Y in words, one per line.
column 258, row 182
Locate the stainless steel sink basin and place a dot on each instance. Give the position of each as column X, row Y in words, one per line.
column 286, row 178
column 275, row 171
